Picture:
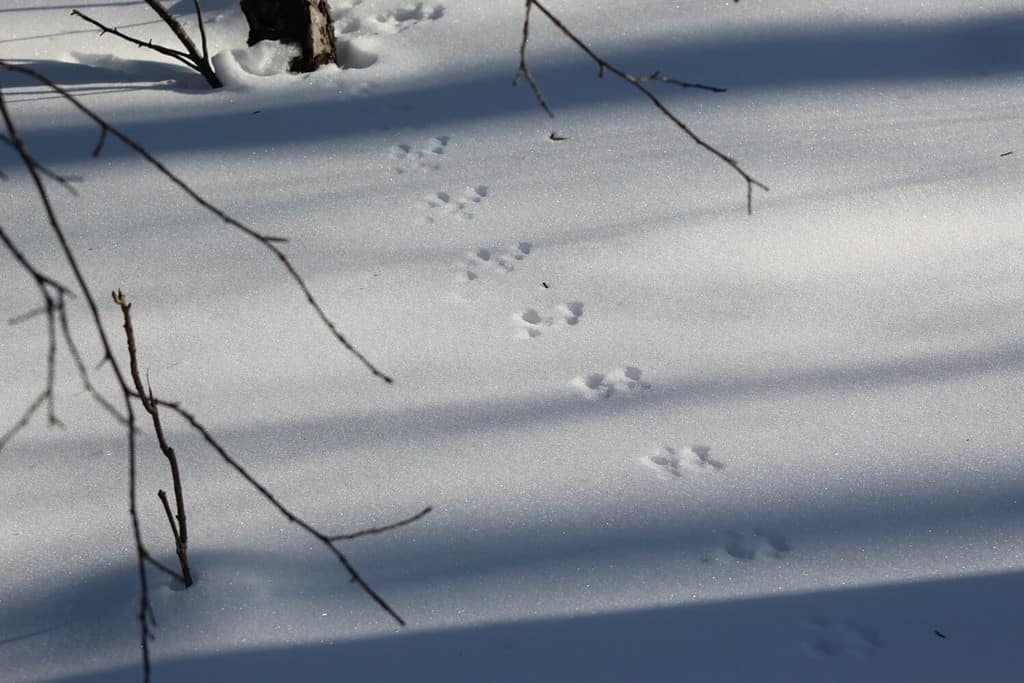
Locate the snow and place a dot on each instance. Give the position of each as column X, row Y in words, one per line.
column 663, row 439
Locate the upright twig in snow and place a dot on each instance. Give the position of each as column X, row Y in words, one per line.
column 53, row 296
column 145, row 610
column 179, row 524
column 329, row 541
column 639, row 82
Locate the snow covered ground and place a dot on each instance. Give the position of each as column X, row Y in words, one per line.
column 664, row 440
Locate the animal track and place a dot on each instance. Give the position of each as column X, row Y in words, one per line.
column 761, row 543
column 457, row 206
column 670, row 462
column 485, row 258
column 364, row 21
column 402, row 18
column 405, row 158
column 531, row 322
column 839, row 638
column 624, row 380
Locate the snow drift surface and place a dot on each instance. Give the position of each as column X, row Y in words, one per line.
column 663, row 439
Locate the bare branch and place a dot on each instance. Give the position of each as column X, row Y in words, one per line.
column 53, row 294
column 326, row 540
column 180, row 530
column 382, row 529
column 190, row 57
column 202, row 30
column 178, row 31
column 524, row 68
column 162, row 495
column 182, row 57
column 268, row 242
column 636, row 81
column 69, row 257
column 656, row 76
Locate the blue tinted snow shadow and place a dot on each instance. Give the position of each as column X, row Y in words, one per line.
column 884, row 54
column 951, row 630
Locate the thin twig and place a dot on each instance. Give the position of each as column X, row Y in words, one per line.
column 381, row 529
column 326, row 540
column 202, row 30
column 177, row 29
column 72, row 261
column 636, row 81
column 190, row 57
column 269, row 242
column 180, row 531
column 162, row 495
column 524, row 67
column 182, row 57
column 53, row 294
column 656, row 76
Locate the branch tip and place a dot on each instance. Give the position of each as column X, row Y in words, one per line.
column 604, row 67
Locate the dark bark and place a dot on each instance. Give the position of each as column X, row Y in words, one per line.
column 306, row 24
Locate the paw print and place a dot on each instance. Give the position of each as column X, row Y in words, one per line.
column 624, row 381
column 424, row 157
column 531, row 322
column 761, row 543
column 674, row 463
column 461, row 206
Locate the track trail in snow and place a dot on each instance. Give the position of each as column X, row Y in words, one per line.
column 489, row 266
column 358, row 26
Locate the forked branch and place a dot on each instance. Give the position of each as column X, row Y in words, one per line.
column 179, row 523
column 190, row 57
column 53, row 295
column 141, row 556
column 638, row 82
column 329, row 541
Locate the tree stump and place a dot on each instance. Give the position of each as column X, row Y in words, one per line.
column 304, row 23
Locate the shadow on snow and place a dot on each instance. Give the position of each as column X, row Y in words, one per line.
column 936, row 630
column 884, row 54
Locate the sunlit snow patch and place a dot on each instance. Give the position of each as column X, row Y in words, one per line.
column 245, row 66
